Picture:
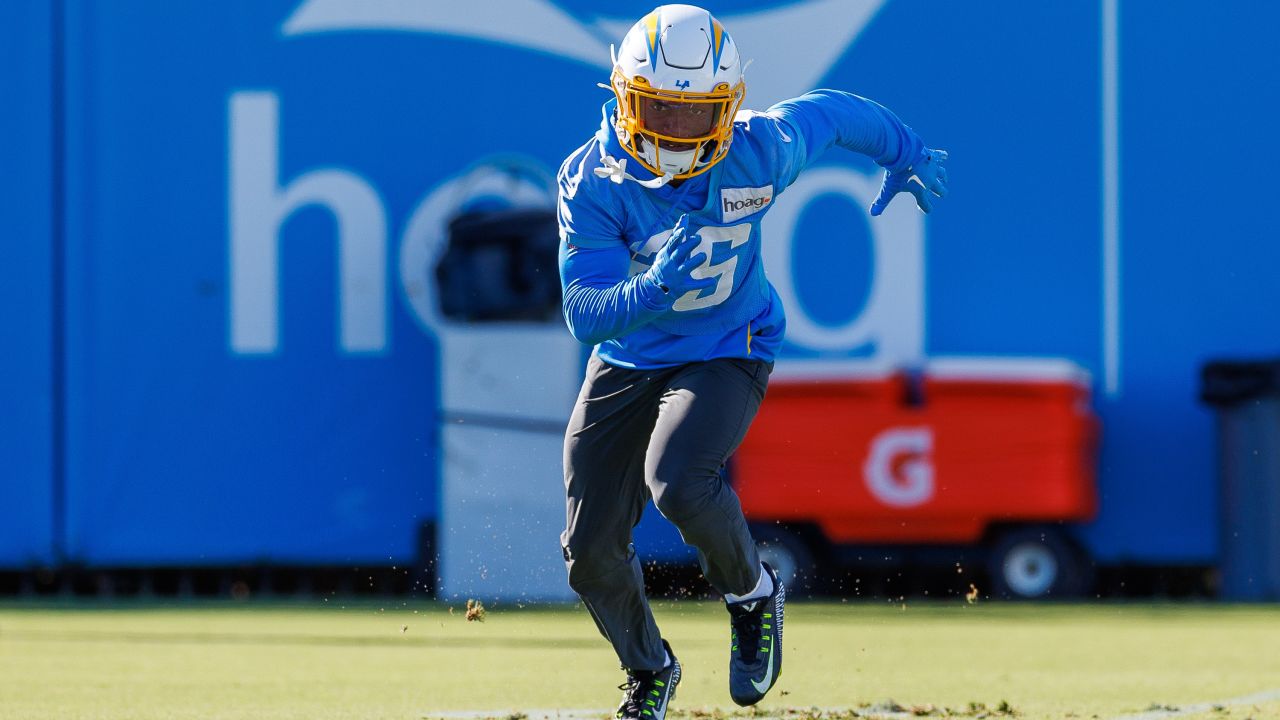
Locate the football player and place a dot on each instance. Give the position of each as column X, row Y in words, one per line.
column 661, row 270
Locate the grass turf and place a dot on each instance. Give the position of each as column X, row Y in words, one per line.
column 334, row 659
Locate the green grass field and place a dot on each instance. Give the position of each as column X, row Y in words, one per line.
column 407, row 659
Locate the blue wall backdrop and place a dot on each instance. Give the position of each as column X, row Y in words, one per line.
column 178, row 448
column 250, row 377
column 1198, row 263
column 26, row 293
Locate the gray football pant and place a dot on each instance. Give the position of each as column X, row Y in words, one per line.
column 662, row 433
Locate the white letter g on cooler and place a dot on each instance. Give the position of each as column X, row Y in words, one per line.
column 898, row 470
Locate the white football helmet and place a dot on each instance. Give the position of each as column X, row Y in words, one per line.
column 678, row 79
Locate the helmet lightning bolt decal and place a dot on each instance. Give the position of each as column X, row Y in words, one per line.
column 651, row 25
column 717, row 43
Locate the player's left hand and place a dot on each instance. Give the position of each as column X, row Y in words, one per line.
column 927, row 175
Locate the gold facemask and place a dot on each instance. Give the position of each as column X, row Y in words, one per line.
column 723, row 102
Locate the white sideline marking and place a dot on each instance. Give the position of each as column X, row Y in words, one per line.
column 580, row 714
column 1260, row 697
column 569, row 714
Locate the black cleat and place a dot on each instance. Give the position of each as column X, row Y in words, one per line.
column 755, row 658
column 646, row 693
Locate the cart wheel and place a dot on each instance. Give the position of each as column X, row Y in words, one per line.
column 789, row 556
column 1036, row 563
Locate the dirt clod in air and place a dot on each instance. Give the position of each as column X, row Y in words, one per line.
column 972, row 595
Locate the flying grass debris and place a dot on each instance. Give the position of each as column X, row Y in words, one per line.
column 475, row 611
column 980, row 710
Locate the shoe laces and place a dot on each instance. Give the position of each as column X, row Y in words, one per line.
column 637, row 692
column 746, row 621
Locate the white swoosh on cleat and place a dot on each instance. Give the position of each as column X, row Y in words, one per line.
column 763, row 686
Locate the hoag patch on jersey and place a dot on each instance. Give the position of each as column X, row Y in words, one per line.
column 738, row 203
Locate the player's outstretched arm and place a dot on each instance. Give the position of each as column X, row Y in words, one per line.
column 601, row 303
column 823, row 118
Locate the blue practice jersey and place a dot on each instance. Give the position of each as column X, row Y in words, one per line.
column 611, row 232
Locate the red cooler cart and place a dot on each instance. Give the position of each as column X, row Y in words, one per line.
column 985, row 456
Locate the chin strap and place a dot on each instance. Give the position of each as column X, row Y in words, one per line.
column 616, row 171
